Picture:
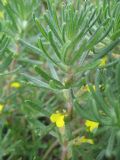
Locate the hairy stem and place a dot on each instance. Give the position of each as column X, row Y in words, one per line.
column 69, row 107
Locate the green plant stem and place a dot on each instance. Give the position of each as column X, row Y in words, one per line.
column 69, row 108
column 56, row 143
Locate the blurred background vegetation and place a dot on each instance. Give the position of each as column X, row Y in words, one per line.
column 60, row 56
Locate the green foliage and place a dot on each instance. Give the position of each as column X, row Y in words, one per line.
column 59, row 56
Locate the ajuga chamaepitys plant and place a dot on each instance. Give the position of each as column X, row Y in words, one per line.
column 60, row 80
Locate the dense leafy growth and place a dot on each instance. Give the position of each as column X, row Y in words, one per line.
column 59, row 80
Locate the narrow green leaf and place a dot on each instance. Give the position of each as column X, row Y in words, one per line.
column 56, row 84
column 53, row 29
column 52, row 81
column 79, row 110
column 116, row 34
column 80, row 51
column 40, row 44
column 36, row 81
column 37, row 107
column 100, row 101
column 88, row 66
column 63, row 32
column 106, row 32
column 118, row 77
column 42, row 73
column 41, row 29
column 31, row 47
column 65, row 49
column 53, row 71
column 106, row 50
column 62, row 66
column 50, row 7
column 54, row 45
column 12, row 15
column 30, row 61
column 110, row 145
column 4, row 42
column 11, row 72
column 7, row 61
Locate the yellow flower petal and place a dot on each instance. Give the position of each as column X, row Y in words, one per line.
column 83, row 139
column 88, row 89
column 1, row 107
column 53, row 117
column 86, row 140
column 90, row 141
column 103, row 61
column 15, row 85
column 58, row 119
column 60, row 123
column 91, row 125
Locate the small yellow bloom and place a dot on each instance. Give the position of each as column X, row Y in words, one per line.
column 1, row 15
column 91, row 125
column 4, row 2
column 83, row 139
column 86, row 88
column 1, row 107
column 103, row 61
column 15, row 85
column 58, row 119
column 86, row 140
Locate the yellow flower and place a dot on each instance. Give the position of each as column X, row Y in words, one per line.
column 103, row 61
column 58, row 119
column 15, row 85
column 1, row 107
column 4, row 2
column 83, row 139
column 1, row 15
column 86, row 140
column 91, row 125
column 86, row 88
